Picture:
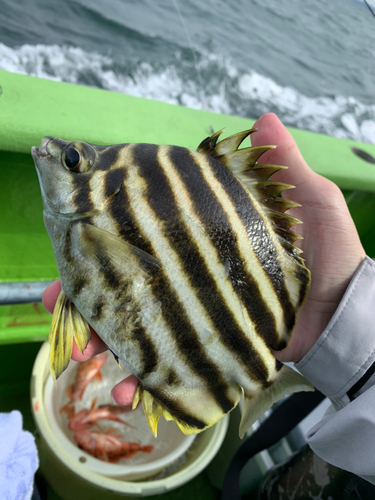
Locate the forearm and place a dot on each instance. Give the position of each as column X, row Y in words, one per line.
column 337, row 365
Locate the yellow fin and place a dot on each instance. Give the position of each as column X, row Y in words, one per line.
column 233, row 142
column 255, row 178
column 79, row 327
column 186, row 429
column 67, row 322
column 60, row 338
column 287, row 382
column 243, row 160
column 208, row 145
column 153, row 411
column 152, row 408
column 137, row 397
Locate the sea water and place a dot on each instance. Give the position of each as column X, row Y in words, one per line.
column 309, row 61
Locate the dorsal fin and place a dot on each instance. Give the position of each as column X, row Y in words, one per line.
column 255, row 176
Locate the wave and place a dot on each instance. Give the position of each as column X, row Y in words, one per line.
column 209, row 82
column 340, row 116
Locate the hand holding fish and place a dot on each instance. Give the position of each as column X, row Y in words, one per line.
column 331, row 245
column 230, row 248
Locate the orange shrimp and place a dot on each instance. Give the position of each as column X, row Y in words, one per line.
column 117, row 408
column 86, row 372
column 107, row 446
column 85, row 419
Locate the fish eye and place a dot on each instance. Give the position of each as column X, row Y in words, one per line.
column 72, row 158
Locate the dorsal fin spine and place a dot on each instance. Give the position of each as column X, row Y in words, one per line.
column 255, row 177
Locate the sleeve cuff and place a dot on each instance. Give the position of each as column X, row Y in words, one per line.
column 346, row 348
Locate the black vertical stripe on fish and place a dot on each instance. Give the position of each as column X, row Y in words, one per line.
column 172, row 377
column 183, row 333
column 161, row 200
column 149, row 354
column 176, row 410
column 218, row 227
column 263, row 247
column 111, row 276
column 68, row 246
column 262, row 244
column 189, row 345
column 79, row 282
column 113, row 181
column 82, row 198
column 223, row 320
column 109, row 156
column 97, row 308
column 120, row 212
column 302, row 276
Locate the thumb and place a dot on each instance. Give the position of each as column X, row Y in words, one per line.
column 272, row 132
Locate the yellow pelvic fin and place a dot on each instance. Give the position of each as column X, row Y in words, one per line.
column 79, row 327
column 287, row 382
column 152, row 409
column 67, row 322
column 137, row 396
column 60, row 339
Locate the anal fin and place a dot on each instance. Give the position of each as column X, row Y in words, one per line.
column 287, row 382
column 152, row 409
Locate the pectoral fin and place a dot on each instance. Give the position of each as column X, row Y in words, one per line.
column 104, row 247
column 288, row 381
column 67, row 323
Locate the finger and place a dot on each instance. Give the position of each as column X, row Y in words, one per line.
column 272, row 131
column 94, row 347
column 123, row 392
column 50, row 295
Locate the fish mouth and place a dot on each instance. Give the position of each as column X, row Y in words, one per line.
column 42, row 152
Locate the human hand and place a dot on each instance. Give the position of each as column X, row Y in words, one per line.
column 331, row 245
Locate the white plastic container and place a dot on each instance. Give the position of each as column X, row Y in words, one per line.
column 76, row 475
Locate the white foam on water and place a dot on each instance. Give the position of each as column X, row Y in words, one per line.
column 340, row 116
column 53, row 62
column 227, row 90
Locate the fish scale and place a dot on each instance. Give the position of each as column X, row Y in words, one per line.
column 183, row 262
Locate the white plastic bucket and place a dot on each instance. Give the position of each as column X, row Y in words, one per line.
column 75, row 475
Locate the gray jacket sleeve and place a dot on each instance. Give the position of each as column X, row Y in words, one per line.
column 336, row 365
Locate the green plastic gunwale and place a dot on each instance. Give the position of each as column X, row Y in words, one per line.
column 31, row 108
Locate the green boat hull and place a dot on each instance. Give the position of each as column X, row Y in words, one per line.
column 31, row 108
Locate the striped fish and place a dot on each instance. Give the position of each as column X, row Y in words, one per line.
column 183, row 262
